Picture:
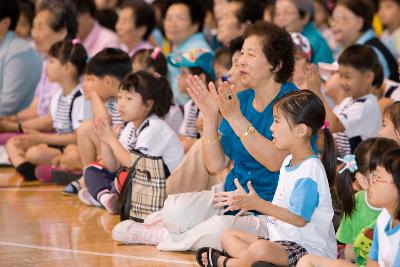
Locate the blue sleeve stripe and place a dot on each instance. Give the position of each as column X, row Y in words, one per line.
column 304, row 198
column 373, row 252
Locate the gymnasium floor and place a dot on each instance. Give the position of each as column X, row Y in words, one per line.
column 41, row 227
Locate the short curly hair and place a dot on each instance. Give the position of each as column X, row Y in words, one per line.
column 64, row 15
column 277, row 46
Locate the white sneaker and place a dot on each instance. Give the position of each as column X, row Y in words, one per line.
column 131, row 232
column 87, row 199
column 110, row 202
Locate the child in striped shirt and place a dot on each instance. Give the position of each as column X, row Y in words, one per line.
column 66, row 64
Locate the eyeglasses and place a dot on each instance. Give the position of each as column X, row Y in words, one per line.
column 375, row 179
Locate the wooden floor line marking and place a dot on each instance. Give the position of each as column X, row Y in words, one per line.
column 25, row 189
column 94, row 253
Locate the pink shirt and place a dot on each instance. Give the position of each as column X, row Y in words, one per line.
column 100, row 38
column 141, row 45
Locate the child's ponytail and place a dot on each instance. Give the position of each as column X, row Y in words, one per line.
column 345, row 191
column 70, row 51
column 365, row 159
column 329, row 155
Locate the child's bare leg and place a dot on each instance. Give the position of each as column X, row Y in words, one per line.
column 15, row 153
column 71, row 159
column 88, row 143
column 41, row 154
column 260, row 250
column 234, row 242
column 315, row 261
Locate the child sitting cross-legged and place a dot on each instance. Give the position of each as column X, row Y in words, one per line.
column 383, row 191
column 299, row 218
column 142, row 101
column 102, row 79
column 66, row 64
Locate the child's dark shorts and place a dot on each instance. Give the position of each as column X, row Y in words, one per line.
column 294, row 250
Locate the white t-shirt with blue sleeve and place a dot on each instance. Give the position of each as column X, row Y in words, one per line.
column 385, row 247
column 304, row 191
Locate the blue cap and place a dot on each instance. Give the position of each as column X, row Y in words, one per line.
column 194, row 58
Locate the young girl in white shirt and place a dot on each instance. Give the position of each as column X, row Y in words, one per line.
column 299, row 218
column 67, row 60
column 142, row 100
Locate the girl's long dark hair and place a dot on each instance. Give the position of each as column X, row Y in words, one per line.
column 368, row 154
column 305, row 107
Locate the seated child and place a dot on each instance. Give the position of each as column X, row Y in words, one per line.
column 142, row 100
column 391, row 122
column 383, row 192
column 359, row 215
column 195, row 62
column 66, row 64
column 358, row 116
column 153, row 61
column 299, row 218
column 103, row 76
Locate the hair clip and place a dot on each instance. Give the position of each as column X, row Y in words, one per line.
column 350, row 163
column 155, row 53
column 157, row 75
column 326, row 125
column 75, row 41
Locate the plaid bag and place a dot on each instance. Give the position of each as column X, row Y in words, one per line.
column 143, row 191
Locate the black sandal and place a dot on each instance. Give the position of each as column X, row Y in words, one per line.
column 212, row 256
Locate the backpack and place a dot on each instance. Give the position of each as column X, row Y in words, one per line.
column 143, row 191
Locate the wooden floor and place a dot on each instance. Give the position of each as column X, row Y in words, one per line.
column 41, row 227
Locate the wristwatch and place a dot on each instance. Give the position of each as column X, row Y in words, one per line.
column 250, row 130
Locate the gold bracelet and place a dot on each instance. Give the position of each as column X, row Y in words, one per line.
column 250, row 131
column 210, row 140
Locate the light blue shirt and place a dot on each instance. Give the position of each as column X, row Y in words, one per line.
column 20, row 69
column 195, row 41
column 365, row 37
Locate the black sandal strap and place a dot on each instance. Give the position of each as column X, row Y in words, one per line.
column 225, row 261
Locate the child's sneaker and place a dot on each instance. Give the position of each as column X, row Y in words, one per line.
column 87, row 199
column 63, row 177
column 110, row 202
column 131, row 232
column 72, row 189
column 43, row 173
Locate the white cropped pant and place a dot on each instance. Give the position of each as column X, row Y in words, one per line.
column 193, row 221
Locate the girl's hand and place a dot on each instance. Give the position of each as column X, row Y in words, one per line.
column 222, row 199
column 313, row 79
column 204, row 98
column 246, row 202
column 228, row 102
column 28, row 139
column 104, row 131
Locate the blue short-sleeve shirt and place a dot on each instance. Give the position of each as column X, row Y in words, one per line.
column 245, row 167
